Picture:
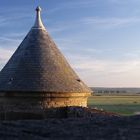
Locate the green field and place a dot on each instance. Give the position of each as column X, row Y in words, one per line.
column 124, row 105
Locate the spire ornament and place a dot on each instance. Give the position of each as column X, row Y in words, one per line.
column 38, row 22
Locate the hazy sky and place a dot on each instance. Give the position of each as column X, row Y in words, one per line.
column 100, row 38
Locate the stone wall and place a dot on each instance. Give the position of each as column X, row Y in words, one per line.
column 23, row 105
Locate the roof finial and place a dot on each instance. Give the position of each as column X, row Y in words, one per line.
column 38, row 9
column 38, row 22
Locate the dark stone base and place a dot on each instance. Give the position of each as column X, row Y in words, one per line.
column 62, row 112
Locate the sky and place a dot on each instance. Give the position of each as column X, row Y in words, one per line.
column 99, row 38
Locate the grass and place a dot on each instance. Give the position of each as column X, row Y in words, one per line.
column 124, row 105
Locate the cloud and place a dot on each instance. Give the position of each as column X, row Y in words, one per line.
column 79, row 4
column 7, row 47
column 2, row 20
column 13, row 36
column 111, row 22
column 104, row 72
column 89, row 23
column 8, row 39
column 123, row 1
column 72, row 5
column 7, row 43
column 11, row 16
column 5, row 54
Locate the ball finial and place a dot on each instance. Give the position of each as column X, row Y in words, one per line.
column 38, row 8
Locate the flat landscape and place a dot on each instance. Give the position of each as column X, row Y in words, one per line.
column 123, row 105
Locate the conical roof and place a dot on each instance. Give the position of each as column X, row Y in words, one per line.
column 38, row 66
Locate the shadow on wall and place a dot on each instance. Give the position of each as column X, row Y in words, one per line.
column 57, row 113
column 60, row 112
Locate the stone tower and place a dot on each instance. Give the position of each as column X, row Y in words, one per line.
column 38, row 77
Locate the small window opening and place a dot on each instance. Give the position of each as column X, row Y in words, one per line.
column 78, row 80
column 11, row 79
